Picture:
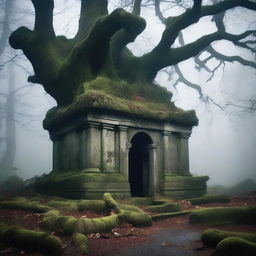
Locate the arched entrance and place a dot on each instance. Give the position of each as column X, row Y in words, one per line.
column 139, row 165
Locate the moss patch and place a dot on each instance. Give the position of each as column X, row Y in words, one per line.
column 210, row 199
column 224, row 215
column 211, row 237
column 33, row 241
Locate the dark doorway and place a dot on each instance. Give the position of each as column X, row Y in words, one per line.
column 139, row 165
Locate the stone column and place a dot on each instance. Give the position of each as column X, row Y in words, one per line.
column 108, row 148
column 152, row 169
column 123, row 151
column 91, row 150
column 167, row 152
column 55, row 152
column 184, row 154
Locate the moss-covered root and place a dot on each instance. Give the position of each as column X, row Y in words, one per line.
column 132, row 214
column 23, row 204
column 170, row 207
column 163, row 216
column 80, row 241
column 210, row 199
column 33, row 241
column 98, row 206
column 68, row 225
column 111, row 203
column 211, row 237
column 224, row 215
column 137, row 219
column 235, row 246
column 98, row 225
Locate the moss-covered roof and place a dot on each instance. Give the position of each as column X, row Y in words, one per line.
column 118, row 97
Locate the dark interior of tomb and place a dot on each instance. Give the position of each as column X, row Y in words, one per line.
column 139, row 165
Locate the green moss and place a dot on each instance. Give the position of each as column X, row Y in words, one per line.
column 163, row 216
column 169, row 207
column 24, row 205
column 33, row 241
column 80, row 241
column 66, row 205
column 224, row 215
column 211, row 237
column 98, row 206
column 234, row 246
column 210, row 199
column 61, row 183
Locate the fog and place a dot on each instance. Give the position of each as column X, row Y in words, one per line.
column 222, row 146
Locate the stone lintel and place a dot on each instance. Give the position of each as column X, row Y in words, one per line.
column 166, row 133
column 184, row 135
column 108, row 126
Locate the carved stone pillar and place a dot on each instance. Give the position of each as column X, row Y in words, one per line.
column 90, row 148
column 152, row 169
column 108, row 148
column 184, row 154
column 167, row 152
column 123, row 152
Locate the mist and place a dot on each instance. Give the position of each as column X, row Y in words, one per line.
column 222, row 146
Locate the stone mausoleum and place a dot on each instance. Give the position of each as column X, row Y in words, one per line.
column 134, row 145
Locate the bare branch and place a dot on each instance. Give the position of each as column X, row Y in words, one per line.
column 137, row 7
column 182, row 79
column 223, row 57
column 158, row 12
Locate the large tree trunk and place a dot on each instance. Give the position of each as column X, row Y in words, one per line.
column 7, row 163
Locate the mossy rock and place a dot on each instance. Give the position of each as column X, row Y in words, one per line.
column 169, row 207
column 235, row 246
column 30, row 240
column 224, row 215
column 163, row 216
column 211, row 237
column 210, row 199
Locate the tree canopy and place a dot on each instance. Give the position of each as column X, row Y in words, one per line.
column 99, row 49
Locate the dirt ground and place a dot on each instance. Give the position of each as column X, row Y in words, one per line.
column 174, row 236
